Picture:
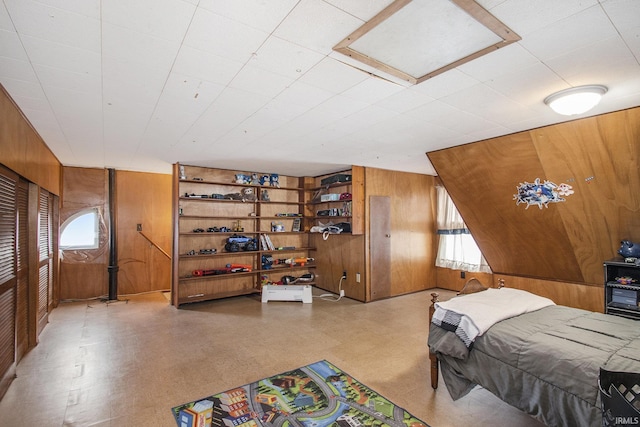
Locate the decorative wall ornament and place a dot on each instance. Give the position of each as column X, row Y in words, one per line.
column 541, row 194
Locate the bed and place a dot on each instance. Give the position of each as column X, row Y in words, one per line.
column 544, row 361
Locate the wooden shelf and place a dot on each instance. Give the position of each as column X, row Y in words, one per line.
column 252, row 214
column 355, row 187
column 218, row 233
column 235, row 184
column 207, row 297
column 230, row 233
column 276, row 269
column 220, row 217
column 235, row 254
column 289, row 250
column 210, row 200
column 328, row 201
column 328, row 217
column 330, row 186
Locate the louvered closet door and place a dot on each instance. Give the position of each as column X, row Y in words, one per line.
column 45, row 259
column 22, row 260
column 7, row 277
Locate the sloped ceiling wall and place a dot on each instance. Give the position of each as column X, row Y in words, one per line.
column 566, row 240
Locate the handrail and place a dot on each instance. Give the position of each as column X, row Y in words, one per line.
column 154, row 244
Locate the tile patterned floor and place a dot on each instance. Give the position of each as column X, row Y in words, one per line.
column 128, row 363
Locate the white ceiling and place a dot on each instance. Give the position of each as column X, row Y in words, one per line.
column 254, row 85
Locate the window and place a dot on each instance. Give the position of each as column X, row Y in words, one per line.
column 456, row 247
column 81, row 231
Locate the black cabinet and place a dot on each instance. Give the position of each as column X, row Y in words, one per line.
column 622, row 288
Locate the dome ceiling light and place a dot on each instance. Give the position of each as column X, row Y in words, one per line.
column 575, row 100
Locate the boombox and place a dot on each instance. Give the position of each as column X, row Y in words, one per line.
column 341, row 177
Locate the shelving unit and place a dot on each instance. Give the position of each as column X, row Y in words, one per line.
column 225, row 273
column 349, row 209
column 622, row 299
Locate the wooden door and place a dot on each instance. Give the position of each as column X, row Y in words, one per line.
column 380, row 246
column 22, row 262
column 8, row 182
column 45, row 262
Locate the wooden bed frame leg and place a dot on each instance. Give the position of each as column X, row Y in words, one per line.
column 435, row 367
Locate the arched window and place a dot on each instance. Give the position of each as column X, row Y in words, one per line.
column 81, row 230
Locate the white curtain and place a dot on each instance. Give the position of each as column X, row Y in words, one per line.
column 456, row 248
column 448, row 219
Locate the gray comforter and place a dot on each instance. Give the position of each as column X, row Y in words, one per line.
column 545, row 363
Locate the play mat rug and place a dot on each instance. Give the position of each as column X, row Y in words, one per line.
column 316, row 395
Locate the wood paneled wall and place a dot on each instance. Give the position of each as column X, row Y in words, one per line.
column 337, row 254
column 412, row 227
column 412, row 260
column 577, row 295
column 450, row 279
column 141, row 198
column 567, row 241
column 27, row 303
column 23, row 151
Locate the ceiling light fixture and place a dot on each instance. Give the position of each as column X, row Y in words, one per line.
column 575, row 100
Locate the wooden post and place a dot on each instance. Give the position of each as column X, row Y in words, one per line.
column 432, row 356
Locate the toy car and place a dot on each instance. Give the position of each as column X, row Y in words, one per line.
column 237, row 243
column 208, row 251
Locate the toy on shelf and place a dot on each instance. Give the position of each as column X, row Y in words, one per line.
column 242, row 179
column 292, row 280
column 236, row 243
column 626, row 280
column 268, row 261
column 298, row 261
column 230, row 268
column 211, row 251
column 248, row 194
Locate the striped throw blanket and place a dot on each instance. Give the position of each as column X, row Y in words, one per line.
column 470, row 316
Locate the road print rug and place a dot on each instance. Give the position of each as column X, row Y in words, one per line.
column 316, row 395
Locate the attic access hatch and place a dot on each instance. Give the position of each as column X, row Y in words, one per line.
column 414, row 40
